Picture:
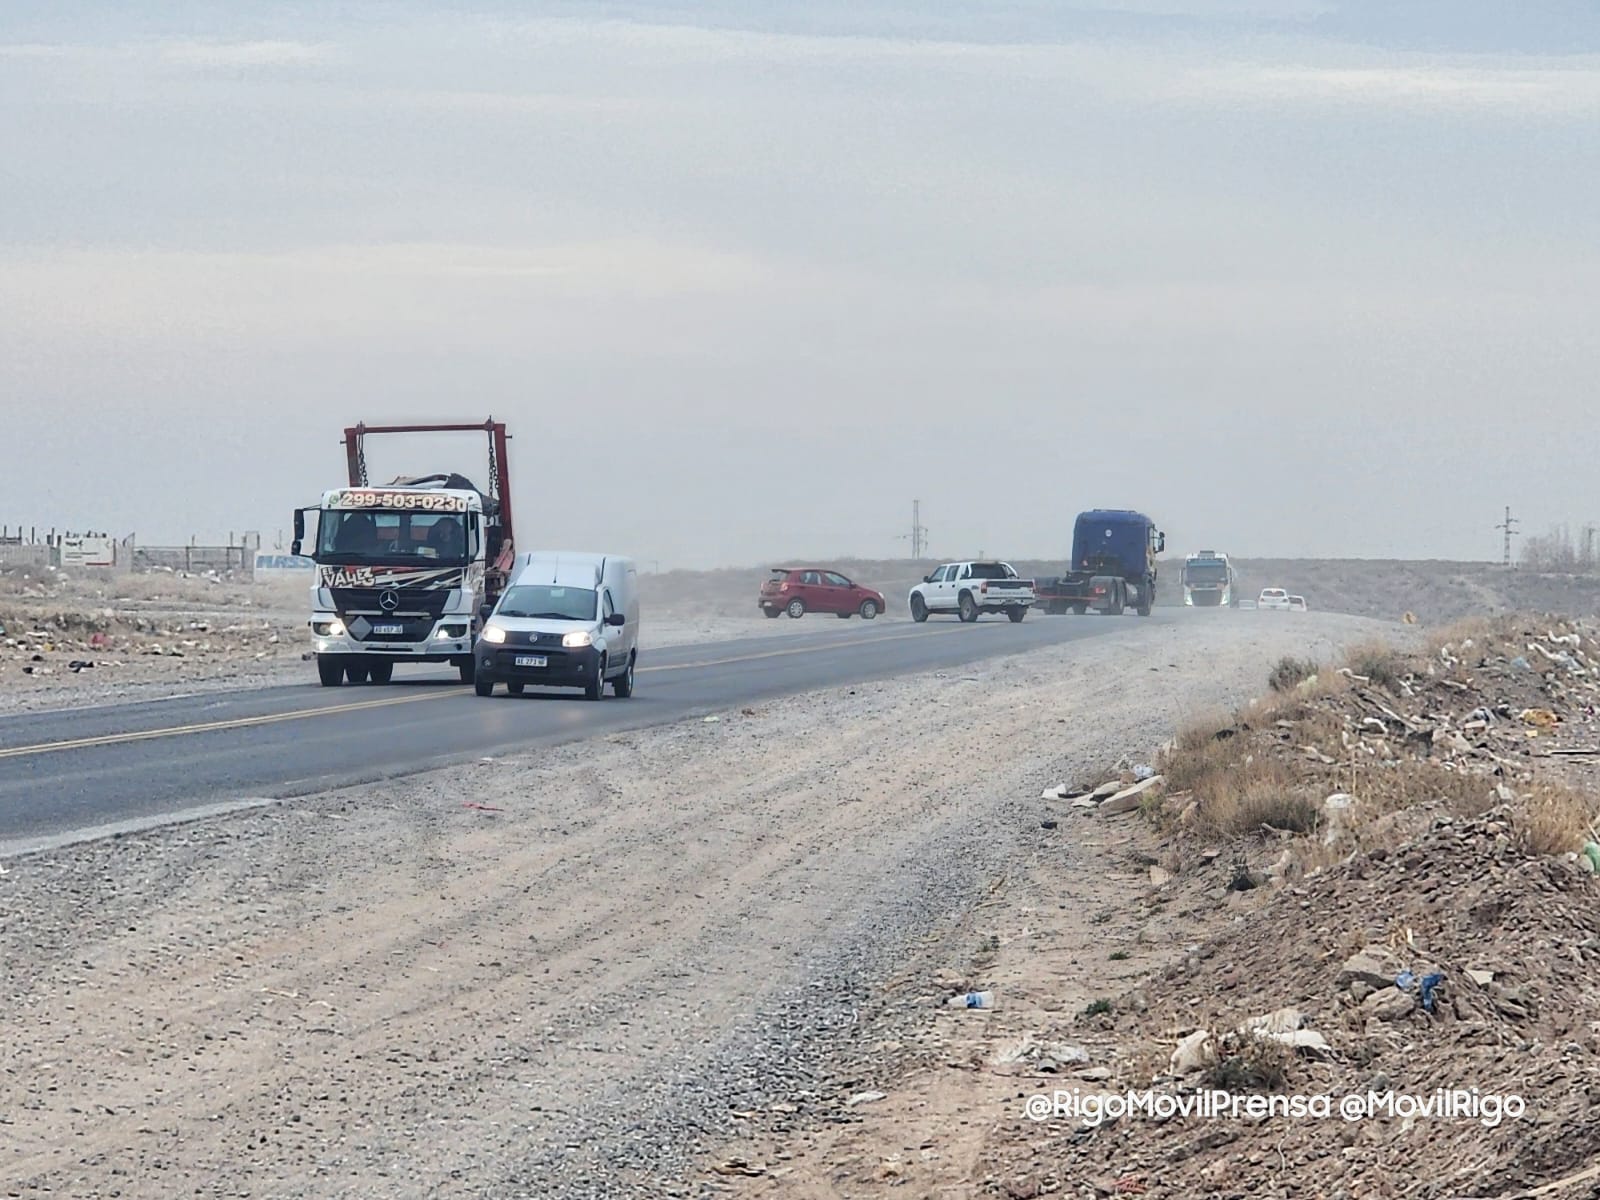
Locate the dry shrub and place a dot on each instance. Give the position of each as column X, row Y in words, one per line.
column 1290, row 673
column 1380, row 662
column 1249, row 1062
column 1553, row 820
column 1394, row 787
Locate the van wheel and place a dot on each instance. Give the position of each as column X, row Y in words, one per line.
column 330, row 670
column 968, row 610
column 483, row 685
column 381, row 672
column 356, row 673
column 919, row 609
column 869, row 609
column 595, row 689
column 622, row 685
column 514, row 689
column 797, row 608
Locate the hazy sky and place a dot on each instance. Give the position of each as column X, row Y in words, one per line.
column 1294, row 277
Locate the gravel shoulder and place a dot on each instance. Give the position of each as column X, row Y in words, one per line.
column 564, row 973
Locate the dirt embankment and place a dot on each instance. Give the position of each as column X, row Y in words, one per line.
column 575, row 973
column 1377, row 881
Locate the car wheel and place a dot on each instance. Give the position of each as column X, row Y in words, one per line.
column 483, row 685
column 356, row 672
column 1016, row 614
column 844, row 616
column 968, row 610
column 797, row 608
column 774, row 613
column 919, row 609
column 622, row 685
column 330, row 669
column 869, row 609
column 596, row 687
column 381, row 672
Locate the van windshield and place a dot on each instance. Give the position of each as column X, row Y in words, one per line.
column 549, row 602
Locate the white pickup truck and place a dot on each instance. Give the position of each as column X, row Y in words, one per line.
column 970, row 589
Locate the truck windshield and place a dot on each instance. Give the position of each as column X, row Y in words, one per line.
column 1205, row 572
column 548, row 601
column 381, row 536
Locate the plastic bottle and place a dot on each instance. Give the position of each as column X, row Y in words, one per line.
column 972, row 1000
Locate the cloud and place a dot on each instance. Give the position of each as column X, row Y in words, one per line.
column 1568, row 87
column 247, row 54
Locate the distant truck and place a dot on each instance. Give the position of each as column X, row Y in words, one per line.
column 406, row 571
column 1209, row 581
column 970, row 589
column 1113, row 565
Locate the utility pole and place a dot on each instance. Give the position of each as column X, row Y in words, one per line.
column 919, row 534
column 1508, row 527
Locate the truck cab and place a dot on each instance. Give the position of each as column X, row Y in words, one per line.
column 1113, row 565
column 399, row 577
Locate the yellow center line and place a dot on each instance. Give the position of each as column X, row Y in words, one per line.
column 113, row 739
column 117, row 739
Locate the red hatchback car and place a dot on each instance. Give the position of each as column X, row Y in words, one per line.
column 799, row 590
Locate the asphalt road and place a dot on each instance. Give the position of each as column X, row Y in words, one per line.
column 119, row 767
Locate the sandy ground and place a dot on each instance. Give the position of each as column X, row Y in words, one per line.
column 570, row 973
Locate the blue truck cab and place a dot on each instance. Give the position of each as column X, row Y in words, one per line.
column 1113, row 565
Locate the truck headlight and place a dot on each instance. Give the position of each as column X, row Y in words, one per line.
column 581, row 638
column 328, row 628
column 493, row 633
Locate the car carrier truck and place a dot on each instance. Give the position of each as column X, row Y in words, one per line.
column 406, row 570
column 1113, row 565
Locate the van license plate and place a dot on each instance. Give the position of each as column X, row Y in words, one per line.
column 532, row 660
column 388, row 630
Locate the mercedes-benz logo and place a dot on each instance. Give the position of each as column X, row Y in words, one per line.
column 389, row 601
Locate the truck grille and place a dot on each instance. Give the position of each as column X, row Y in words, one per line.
column 411, row 602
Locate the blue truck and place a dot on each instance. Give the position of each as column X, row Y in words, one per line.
column 1113, row 565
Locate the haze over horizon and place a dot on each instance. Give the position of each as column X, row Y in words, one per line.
column 1311, row 278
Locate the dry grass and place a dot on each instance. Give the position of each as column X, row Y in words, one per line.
column 1554, row 820
column 1379, row 662
column 1290, row 673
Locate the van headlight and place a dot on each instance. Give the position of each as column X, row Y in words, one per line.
column 581, row 638
column 493, row 633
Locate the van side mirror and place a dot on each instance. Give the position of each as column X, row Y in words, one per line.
column 618, row 619
column 484, row 610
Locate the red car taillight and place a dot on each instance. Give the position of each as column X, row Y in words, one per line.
column 783, row 587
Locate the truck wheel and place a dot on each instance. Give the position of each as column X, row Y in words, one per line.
column 1080, row 609
column 356, row 673
column 330, row 669
column 1147, row 599
column 622, row 685
column 466, row 668
column 869, row 609
column 968, row 610
column 797, row 608
column 1016, row 613
column 919, row 609
column 483, row 685
column 381, row 672
column 595, row 689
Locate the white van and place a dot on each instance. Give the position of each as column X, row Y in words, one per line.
column 565, row 620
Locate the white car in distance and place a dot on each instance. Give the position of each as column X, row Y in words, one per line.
column 1273, row 598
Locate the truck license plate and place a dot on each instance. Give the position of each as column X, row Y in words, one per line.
column 388, row 630
column 532, row 660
